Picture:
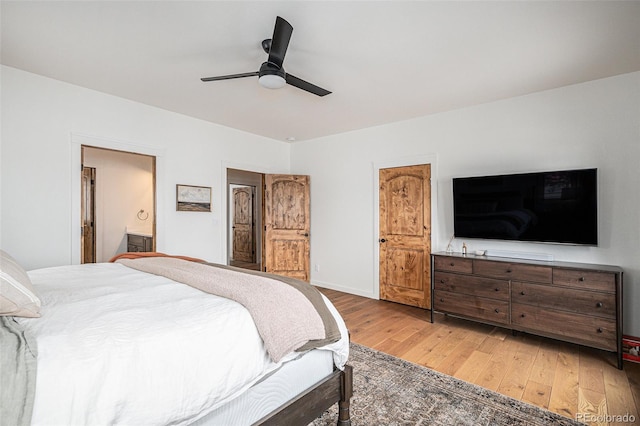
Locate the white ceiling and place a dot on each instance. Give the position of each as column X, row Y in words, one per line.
column 383, row 61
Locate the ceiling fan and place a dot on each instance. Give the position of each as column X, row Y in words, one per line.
column 271, row 74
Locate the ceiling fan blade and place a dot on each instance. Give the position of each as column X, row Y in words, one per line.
column 230, row 76
column 280, row 41
column 305, row 85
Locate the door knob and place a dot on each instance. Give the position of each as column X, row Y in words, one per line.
column 306, row 234
column 382, row 240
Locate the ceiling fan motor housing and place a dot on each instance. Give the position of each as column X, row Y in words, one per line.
column 271, row 76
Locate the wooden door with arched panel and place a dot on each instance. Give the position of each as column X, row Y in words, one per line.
column 243, row 232
column 286, row 219
column 405, row 235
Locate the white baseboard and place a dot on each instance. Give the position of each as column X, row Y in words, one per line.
column 331, row 286
column 520, row 255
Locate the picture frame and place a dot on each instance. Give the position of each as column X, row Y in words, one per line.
column 190, row 198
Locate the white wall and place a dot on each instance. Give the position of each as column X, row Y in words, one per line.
column 596, row 124
column 44, row 121
column 124, row 186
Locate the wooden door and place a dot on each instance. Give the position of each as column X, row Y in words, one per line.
column 88, row 234
column 405, row 235
column 286, row 219
column 243, row 231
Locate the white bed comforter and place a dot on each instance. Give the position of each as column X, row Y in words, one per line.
column 120, row 346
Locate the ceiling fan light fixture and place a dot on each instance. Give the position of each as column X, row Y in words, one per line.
column 272, row 81
column 271, row 76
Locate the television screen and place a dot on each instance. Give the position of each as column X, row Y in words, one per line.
column 555, row 207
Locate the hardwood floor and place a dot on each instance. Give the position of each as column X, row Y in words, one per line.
column 574, row 381
column 245, row 265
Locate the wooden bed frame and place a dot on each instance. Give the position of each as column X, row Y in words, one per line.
column 310, row 404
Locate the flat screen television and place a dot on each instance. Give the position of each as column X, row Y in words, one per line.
column 552, row 207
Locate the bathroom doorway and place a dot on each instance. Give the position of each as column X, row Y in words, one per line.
column 122, row 202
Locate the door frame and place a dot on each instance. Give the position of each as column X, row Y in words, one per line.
column 76, row 143
column 400, row 162
column 91, row 192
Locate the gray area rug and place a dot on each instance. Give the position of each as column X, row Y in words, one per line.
column 391, row 391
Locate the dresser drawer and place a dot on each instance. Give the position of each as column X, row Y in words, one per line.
column 139, row 243
column 565, row 299
column 474, row 286
column 512, row 271
column 594, row 331
column 604, row 281
column 135, row 240
column 453, row 264
column 481, row 308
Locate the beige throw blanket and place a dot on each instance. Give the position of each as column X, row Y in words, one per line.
column 289, row 314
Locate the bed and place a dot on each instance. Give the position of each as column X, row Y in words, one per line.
column 168, row 341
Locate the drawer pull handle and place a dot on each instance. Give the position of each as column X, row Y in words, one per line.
column 441, row 299
column 497, row 310
column 508, row 271
column 452, row 264
column 523, row 315
column 599, row 330
column 442, row 281
column 599, row 305
column 497, row 289
column 522, row 293
column 581, row 279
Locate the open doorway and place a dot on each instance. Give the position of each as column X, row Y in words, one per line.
column 280, row 219
column 122, row 203
column 244, row 219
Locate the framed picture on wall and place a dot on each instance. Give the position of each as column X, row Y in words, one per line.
column 191, row 198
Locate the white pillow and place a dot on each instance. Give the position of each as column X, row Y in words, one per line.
column 17, row 297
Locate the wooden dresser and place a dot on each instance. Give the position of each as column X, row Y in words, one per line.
column 575, row 302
